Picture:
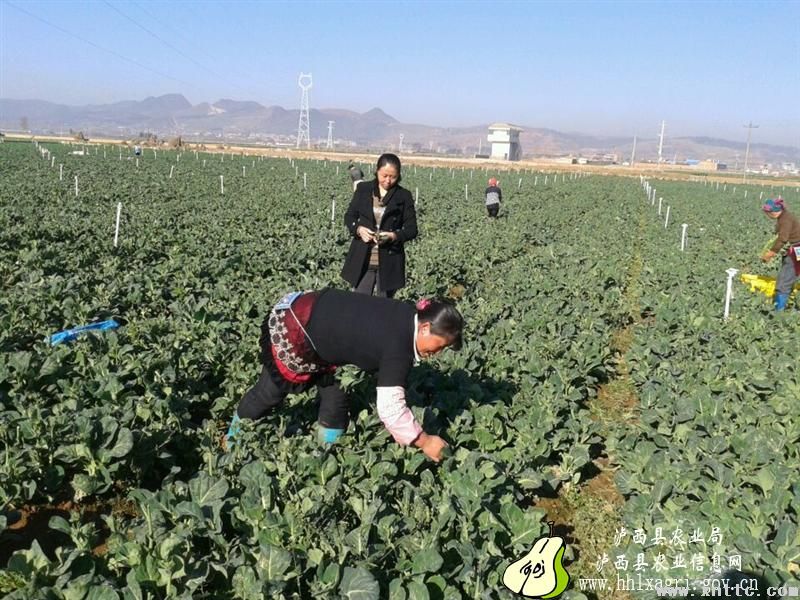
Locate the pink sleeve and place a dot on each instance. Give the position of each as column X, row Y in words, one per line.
column 396, row 416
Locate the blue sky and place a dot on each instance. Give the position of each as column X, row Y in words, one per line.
column 707, row 68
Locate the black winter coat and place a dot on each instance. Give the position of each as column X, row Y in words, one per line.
column 399, row 217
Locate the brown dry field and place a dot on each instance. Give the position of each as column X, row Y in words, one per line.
column 652, row 171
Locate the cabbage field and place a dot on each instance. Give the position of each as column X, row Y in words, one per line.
column 599, row 386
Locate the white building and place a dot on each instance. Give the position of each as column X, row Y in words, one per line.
column 504, row 139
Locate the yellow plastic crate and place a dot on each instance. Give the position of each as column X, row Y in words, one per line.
column 764, row 284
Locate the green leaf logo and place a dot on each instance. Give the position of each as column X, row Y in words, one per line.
column 539, row 574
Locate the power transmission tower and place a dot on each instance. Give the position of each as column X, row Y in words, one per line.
column 330, row 134
column 750, row 128
column 400, row 150
column 304, row 127
column 661, row 141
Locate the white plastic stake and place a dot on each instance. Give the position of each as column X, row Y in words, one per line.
column 222, row 184
column 60, row 172
column 416, row 197
column 244, row 171
column 204, row 162
column 466, row 191
column 684, row 226
column 53, row 162
column 536, row 180
column 171, row 169
column 745, row 193
column 296, row 171
column 76, row 185
column 519, row 183
column 659, row 206
column 761, row 195
column 337, row 169
column 666, row 221
column 304, row 181
column 545, row 179
column 137, row 163
column 333, row 208
column 430, row 175
column 116, row 229
column 729, row 292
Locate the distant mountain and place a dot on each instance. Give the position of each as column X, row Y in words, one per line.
column 236, row 120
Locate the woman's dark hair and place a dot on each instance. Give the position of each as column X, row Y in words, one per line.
column 389, row 159
column 444, row 318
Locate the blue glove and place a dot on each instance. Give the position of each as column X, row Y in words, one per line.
column 234, row 428
column 70, row 334
column 328, row 435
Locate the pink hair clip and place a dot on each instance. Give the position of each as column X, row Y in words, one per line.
column 423, row 303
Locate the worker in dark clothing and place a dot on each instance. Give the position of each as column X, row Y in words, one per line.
column 787, row 229
column 493, row 197
column 356, row 175
column 309, row 334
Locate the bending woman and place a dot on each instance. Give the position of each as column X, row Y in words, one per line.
column 307, row 335
column 381, row 218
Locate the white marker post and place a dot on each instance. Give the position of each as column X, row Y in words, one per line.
column 535, row 180
column 519, row 183
column 545, row 179
column 61, row 172
column 666, row 221
column 684, row 226
column 244, row 171
column 204, row 162
column 116, row 229
column 416, row 197
column 430, row 176
column 76, row 185
column 337, row 169
column 296, row 171
column 222, row 184
column 466, row 191
column 171, row 169
column 729, row 292
column 659, row 206
column 53, row 162
column 137, row 163
column 304, row 181
column 333, row 208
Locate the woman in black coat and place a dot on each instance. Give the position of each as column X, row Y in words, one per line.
column 381, row 218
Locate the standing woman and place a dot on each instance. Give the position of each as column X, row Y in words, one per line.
column 787, row 228
column 493, row 197
column 381, row 218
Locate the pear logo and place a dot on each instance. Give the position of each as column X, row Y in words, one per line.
column 539, row 574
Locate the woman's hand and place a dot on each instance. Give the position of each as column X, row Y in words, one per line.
column 388, row 236
column 365, row 234
column 431, row 445
column 767, row 256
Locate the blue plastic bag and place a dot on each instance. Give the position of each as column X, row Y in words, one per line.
column 70, row 334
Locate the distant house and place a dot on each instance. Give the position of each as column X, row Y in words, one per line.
column 709, row 165
column 504, row 139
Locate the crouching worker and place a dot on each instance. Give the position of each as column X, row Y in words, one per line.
column 787, row 229
column 308, row 334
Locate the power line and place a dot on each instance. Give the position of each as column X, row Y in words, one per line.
column 160, row 39
column 98, row 46
column 196, row 49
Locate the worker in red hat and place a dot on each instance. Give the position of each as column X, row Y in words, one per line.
column 493, row 197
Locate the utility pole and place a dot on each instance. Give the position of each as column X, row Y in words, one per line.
column 633, row 152
column 750, row 128
column 661, row 141
column 330, row 134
